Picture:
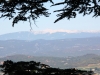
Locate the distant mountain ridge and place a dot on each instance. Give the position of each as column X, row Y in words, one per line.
column 59, row 44
column 56, row 48
column 25, row 35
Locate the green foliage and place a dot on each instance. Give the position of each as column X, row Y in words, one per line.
column 36, row 68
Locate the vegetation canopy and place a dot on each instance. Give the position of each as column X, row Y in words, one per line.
column 36, row 68
column 25, row 10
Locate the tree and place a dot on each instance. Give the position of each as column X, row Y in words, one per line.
column 36, row 68
column 24, row 10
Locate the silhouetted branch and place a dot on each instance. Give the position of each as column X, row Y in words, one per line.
column 71, row 7
column 22, row 10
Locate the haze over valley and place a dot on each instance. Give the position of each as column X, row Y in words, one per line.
column 59, row 49
column 58, row 44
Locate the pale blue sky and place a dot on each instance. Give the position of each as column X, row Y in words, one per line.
column 78, row 23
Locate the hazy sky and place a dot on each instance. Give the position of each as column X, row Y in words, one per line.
column 43, row 23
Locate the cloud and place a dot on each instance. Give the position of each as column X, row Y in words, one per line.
column 62, row 30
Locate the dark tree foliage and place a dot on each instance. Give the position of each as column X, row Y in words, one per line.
column 36, row 68
column 74, row 7
column 24, row 10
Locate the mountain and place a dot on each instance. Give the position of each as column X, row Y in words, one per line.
column 58, row 44
column 61, row 62
column 56, row 48
column 25, row 35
